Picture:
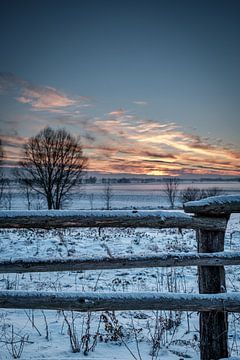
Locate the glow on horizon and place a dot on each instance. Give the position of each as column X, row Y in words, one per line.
column 119, row 141
column 123, row 143
column 145, row 157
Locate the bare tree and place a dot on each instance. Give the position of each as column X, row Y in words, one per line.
column 54, row 163
column 2, row 186
column 5, row 184
column 170, row 189
column 91, row 198
column 7, row 194
column 27, row 189
column 107, row 194
column 3, row 181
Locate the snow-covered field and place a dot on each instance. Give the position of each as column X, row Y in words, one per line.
column 141, row 335
column 122, row 335
column 123, row 196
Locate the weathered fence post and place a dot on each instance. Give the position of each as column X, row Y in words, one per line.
column 213, row 324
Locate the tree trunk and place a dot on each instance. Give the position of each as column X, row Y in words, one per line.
column 49, row 202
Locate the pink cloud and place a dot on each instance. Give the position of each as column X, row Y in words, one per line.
column 44, row 98
column 39, row 97
column 118, row 112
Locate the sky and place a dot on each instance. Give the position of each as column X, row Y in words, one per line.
column 152, row 87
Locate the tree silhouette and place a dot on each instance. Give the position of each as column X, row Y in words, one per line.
column 53, row 165
column 170, row 188
column 3, row 181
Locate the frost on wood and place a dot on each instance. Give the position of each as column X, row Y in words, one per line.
column 119, row 301
column 113, row 218
column 215, row 205
column 124, row 262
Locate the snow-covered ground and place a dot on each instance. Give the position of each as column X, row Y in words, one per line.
column 141, row 335
column 122, row 335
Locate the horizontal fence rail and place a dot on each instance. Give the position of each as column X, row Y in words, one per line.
column 47, row 219
column 119, row 301
column 101, row 263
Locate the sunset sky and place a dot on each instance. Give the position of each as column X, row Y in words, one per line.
column 152, row 87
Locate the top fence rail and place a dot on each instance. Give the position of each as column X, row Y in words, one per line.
column 48, row 219
column 219, row 207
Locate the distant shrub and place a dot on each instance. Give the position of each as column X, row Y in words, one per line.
column 190, row 194
column 193, row 194
column 214, row 191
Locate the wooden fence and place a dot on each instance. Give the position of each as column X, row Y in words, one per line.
column 208, row 217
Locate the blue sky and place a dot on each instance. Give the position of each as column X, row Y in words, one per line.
column 119, row 64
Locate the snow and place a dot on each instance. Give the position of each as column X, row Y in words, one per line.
column 179, row 331
column 92, row 297
column 40, row 264
column 214, row 200
column 162, row 215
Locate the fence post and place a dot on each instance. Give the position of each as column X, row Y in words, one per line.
column 213, row 324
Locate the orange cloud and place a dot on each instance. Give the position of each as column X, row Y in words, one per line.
column 149, row 147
